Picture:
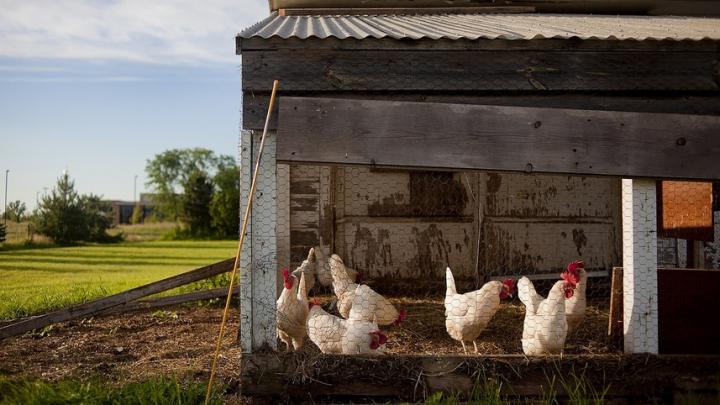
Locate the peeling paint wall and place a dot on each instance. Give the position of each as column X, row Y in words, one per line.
column 406, row 224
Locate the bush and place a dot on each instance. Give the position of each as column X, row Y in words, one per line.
column 66, row 217
column 196, row 203
column 225, row 205
column 137, row 215
column 3, row 233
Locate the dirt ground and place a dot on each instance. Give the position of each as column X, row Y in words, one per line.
column 180, row 341
column 127, row 347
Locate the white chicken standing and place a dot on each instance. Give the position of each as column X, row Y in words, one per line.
column 371, row 304
column 292, row 311
column 324, row 273
column 308, row 267
column 545, row 325
column 467, row 315
column 575, row 305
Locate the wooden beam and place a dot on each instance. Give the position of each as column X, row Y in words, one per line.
column 88, row 308
column 255, row 105
column 285, row 12
column 519, row 70
column 168, row 301
column 520, row 139
column 615, row 320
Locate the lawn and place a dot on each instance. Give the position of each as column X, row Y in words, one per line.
column 38, row 280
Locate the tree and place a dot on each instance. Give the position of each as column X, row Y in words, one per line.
column 15, row 211
column 196, row 203
column 225, row 205
column 169, row 171
column 3, row 233
column 65, row 216
column 137, row 215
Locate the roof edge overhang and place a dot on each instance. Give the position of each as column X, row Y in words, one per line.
column 640, row 7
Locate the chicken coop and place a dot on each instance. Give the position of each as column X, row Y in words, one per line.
column 426, row 141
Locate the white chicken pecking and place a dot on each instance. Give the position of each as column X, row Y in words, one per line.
column 333, row 334
column 545, row 325
column 292, row 311
column 467, row 315
column 324, row 273
column 575, row 305
column 371, row 304
column 308, row 267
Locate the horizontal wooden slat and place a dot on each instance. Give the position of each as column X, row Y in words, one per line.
column 80, row 310
column 255, row 105
column 169, row 301
column 382, row 133
column 362, row 70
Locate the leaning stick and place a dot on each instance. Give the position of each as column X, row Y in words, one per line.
column 240, row 243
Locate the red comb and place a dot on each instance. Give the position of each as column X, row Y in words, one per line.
column 286, row 273
column 401, row 317
column 577, row 264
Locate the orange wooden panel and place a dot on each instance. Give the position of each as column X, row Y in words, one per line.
column 685, row 210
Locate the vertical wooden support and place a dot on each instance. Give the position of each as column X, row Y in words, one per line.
column 258, row 261
column 283, row 220
column 640, row 304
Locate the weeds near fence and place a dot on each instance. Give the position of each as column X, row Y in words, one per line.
column 155, row 391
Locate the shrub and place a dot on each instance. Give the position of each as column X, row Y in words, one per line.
column 196, row 203
column 137, row 215
column 3, row 233
column 66, row 217
column 225, row 205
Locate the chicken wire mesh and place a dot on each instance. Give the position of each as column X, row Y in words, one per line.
column 423, row 262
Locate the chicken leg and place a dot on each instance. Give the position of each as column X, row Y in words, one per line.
column 464, row 348
column 475, row 344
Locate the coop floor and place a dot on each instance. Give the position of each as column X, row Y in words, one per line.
column 423, row 332
column 180, row 341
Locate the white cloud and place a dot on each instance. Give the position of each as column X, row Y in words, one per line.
column 158, row 31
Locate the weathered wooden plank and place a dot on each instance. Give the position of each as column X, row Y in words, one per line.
column 255, row 105
column 615, row 320
column 88, row 308
column 320, row 70
column 543, row 140
column 168, row 301
column 405, row 10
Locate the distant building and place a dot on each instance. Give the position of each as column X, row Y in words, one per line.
column 122, row 210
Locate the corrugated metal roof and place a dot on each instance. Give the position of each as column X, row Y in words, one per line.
column 486, row 26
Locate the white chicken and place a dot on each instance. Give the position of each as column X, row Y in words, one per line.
column 324, row 273
column 325, row 330
column 371, row 304
column 575, row 305
column 292, row 311
column 308, row 267
column 467, row 315
column 333, row 334
column 545, row 325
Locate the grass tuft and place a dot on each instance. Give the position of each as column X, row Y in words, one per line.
column 156, row 391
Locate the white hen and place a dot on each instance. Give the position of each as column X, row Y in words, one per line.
column 324, row 273
column 333, row 334
column 545, row 326
column 467, row 315
column 292, row 311
column 575, row 305
column 308, row 267
column 371, row 304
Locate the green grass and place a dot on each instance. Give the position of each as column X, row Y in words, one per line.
column 156, row 391
column 144, row 232
column 37, row 280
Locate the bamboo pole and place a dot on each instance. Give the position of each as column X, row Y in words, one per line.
column 248, row 209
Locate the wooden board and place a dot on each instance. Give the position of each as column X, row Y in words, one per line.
column 88, row 308
column 685, row 210
column 451, row 136
column 615, row 320
column 169, row 301
column 420, row 70
column 255, row 105
column 687, row 321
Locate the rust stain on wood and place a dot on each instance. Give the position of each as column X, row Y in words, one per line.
column 375, row 252
column 579, row 239
column 433, row 251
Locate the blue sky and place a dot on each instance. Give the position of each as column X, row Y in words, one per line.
column 98, row 87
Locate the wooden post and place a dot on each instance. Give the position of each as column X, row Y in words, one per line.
column 640, row 300
column 258, row 260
